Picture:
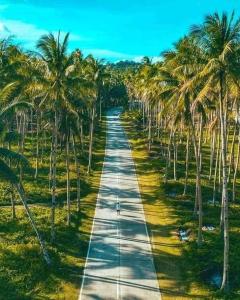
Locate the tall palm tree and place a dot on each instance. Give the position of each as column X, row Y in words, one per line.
column 219, row 37
column 174, row 77
column 68, row 130
column 94, row 74
column 8, row 158
column 53, row 52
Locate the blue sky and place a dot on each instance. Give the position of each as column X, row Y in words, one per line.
column 110, row 29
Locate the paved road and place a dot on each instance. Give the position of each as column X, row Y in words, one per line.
column 119, row 264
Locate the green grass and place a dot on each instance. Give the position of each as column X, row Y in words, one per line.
column 23, row 273
column 183, row 269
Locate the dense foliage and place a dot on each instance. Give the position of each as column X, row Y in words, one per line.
column 191, row 98
column 50, row 99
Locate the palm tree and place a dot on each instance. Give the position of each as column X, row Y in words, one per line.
column 68, row 130
column 94, row 74
column 8, row 158
column 174, row 80
column 53, row 52
column 219, row 37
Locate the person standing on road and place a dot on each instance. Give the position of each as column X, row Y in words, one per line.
column 118, row 208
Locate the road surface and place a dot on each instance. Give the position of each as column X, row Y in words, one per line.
column 119, row 263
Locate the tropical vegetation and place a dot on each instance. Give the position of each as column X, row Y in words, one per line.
column 52, row 145
column 52, row 104
column 189, row 103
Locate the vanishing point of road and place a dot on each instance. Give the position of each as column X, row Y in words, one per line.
column 119, row 264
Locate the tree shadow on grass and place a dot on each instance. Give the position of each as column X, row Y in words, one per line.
column 23, row 273
column 193, row 261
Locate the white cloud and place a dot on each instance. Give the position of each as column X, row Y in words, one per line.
column 156, row 59
column 138, row 58
column 26, row 32
column 23, row 31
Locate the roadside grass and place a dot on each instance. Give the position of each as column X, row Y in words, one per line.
column 23, row 273
column 183, row 269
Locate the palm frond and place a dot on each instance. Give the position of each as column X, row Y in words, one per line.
column 13, row 105
column 6, row 154
column 7, row 174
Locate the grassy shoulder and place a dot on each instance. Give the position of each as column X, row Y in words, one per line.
column 183, row 269
column 23, row 273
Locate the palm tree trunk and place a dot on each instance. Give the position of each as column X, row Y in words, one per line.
column 216, row 169
column 174, row 156
column 168, row 156
column 78, row 174
column 186, row 164
column 12, row 189
column 68, row 182
column 31, row 122
column 91, row 140
column 198, row 200
column 21, row 145
column 220, row 170
column 158, row 120
column 236, row 170
column 37, row 148
column 100, row 109
column 50, row 165
column 54, row 158
column 21, row 193
column 232, row 153
column 143, row 114
column 200, row 142
column 81, row 136
column 212, row 154
column 149, row 130
column 223, row 123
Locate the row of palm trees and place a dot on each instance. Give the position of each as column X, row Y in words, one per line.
column 192, row 98
column 53, row 97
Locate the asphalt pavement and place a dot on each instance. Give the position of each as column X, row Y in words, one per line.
column 119, row 262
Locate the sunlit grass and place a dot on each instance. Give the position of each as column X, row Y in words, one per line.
column 23, row 273
column 182, row 268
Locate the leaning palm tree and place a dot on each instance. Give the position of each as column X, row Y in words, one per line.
column 7, row 159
